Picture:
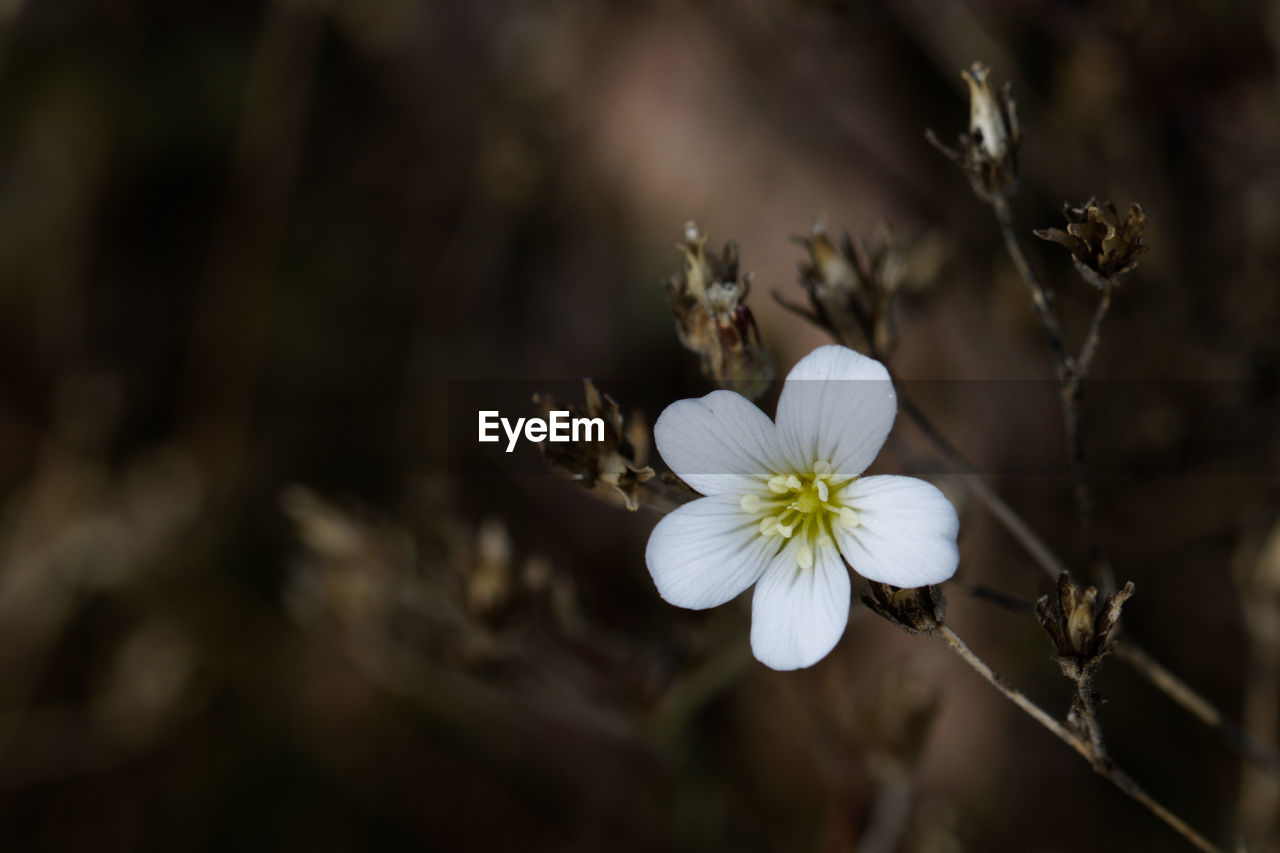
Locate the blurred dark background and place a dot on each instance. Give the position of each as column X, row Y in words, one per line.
column 247, row 603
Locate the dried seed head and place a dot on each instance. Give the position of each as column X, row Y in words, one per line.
column 851, row 289
column 987, row 126
column 707, row 301
column 615, row 465
column 988, row 152
column 916, row 611
column 1083, row 630
column 1102, row 247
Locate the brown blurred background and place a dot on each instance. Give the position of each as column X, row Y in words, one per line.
column 246, row 602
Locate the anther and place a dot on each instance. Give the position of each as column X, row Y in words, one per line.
column 804, row 557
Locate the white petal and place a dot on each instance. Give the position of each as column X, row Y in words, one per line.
column 907, row 531
column 836, row 405
column 718, row 444
column 706, row 553
column 798, row 615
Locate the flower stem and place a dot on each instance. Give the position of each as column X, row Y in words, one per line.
column 1198, row 706
column 1104, row 768
column 1084, row 716
column 1069, row 390
column 1005, row 514
column 1042, row 299
column 1152, row 670
column 1095, row 328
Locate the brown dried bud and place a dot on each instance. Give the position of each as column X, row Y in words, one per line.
column 707, row 302
column 615, row 465
column 1102, row 247
column 916, row 611
column 850, row 292
column 1083, row 630
column 988, row 152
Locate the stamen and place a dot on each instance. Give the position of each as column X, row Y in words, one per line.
column 805, row 507
column 804, row 557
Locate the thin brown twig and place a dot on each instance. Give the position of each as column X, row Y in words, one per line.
column 1198, row 706
column 1104, row 768
column 1069, row 392
column 1158, row 676
column 1257, row 571
column 1042, row 299
column 1090, row 347
column 1154, row 672
column 1084, row 717
column 1005, row 514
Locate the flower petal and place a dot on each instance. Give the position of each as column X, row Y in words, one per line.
column 906, row 534
column 836, row 405
column 718, row 444
column 706, row 553
column 798, row 615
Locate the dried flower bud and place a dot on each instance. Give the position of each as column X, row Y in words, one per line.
column 852, row 289
column 988, row 152
column 615, row 465
column 707, row 302
column 987, row 125
column 1083, row 630
column 916, row 611
column 1102, row 247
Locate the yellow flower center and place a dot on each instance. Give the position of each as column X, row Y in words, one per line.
column 806, row 505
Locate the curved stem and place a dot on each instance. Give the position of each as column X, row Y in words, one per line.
column 1005, row 514
column 1090, row 347
column 1104, row 768
column 1069, row 390
column 1042, row 299
column 1198, row 706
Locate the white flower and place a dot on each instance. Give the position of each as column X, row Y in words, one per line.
column 784, row 501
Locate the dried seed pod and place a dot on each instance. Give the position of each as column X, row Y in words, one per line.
column 616, row 464
column 707, row 301
column 916, row 611
column 988, row 152
column 1102, row 246
column 1082, row 628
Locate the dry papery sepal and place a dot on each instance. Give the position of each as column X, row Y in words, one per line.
column 708, row 303
column 1103, row 246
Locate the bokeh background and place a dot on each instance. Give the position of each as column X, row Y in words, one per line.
column 246, row 600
